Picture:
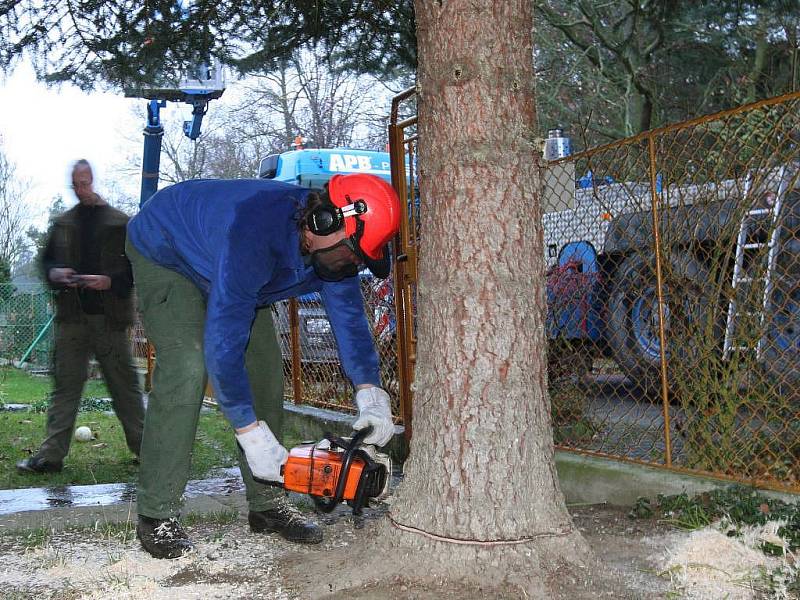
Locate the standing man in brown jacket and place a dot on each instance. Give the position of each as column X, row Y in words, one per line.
column 85, row 263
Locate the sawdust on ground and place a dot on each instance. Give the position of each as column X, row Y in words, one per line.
column 707, row 563
column 231, row 563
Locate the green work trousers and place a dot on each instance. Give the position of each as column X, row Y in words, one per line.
column 74, row 344
column 173, row 313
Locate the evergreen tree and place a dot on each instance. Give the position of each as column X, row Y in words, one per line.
column 124, row 43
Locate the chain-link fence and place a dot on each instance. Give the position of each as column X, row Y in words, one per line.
column 673, row 294
column 312, row 371
column 26, row 332
column 27, row 328
column 312, row 376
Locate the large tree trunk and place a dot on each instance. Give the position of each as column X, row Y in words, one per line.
column 481, row 465
column 481, row 476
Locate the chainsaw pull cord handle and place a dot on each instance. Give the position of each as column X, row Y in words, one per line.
column 347, row 460
column 311, row 470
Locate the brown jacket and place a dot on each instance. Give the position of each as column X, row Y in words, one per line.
column 63, row 250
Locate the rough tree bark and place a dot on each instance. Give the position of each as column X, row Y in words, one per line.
column 481, row 458
column 481, row 473
column 480, row 504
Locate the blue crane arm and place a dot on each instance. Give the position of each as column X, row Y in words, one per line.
column 154, row 131
column 192, row 128
column 151, row 156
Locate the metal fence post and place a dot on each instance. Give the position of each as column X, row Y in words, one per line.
column 297, row 367
column 651, row 151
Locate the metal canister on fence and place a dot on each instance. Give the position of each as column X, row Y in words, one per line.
column 557, row 145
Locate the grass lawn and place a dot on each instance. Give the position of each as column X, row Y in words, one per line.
column 105, row 459
column 20, row 387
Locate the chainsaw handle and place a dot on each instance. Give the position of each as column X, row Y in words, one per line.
column 355, row 441
column 347, row 460
column 360, row 435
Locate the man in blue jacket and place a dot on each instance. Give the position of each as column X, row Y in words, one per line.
column 209, row 257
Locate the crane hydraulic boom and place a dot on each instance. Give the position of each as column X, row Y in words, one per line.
column 197, row 92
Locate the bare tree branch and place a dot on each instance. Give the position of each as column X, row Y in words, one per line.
column 14, row 213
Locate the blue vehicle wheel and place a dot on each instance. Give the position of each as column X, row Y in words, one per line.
column 644, row 324
column 782, row 339
column 633, row 317
column 781, row 351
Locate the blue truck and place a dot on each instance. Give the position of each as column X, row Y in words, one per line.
column 313, row 167
column 730, row 258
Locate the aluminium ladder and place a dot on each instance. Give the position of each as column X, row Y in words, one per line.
column 749, row 248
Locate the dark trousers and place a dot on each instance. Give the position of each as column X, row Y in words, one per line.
column 173, row 313
column 75, row 343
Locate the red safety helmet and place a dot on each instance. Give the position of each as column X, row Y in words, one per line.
column 375, row 219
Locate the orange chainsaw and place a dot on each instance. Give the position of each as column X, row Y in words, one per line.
column 337, row 470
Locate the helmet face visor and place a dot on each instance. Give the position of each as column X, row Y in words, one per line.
column 379, row 267
column 336, row 262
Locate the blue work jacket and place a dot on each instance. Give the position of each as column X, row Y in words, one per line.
column 239, row 242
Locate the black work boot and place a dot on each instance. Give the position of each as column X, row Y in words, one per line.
column 163, row 538
column 286, row 520
column 37, row 464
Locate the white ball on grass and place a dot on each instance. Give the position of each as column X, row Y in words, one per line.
column 83, row 434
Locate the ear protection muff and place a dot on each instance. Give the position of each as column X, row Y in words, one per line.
column 325, row 219
column 328, row 218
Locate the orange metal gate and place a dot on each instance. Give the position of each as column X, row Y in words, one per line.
column 673, row 290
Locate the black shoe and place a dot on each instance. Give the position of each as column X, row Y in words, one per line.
column 36, row 464
column 286, row 520
column 163, row 538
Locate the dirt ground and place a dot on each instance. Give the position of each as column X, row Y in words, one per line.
column 230, row 562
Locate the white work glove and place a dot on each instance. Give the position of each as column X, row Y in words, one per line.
column 373, row 410
column 265, row 456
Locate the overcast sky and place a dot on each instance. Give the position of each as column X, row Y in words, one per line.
column 44, row 130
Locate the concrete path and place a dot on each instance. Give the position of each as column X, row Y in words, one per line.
column 85, row 505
